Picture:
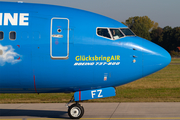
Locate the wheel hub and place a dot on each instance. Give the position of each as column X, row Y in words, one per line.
column 75, row 111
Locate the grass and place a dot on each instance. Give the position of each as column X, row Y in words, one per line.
column 175, row 60
column 163, row 86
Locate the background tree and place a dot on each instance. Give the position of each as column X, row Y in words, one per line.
column 141, row 26
column 174, row 39
column 168, row 38
column 157, row 36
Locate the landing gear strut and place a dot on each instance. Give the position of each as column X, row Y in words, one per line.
column 76, row 110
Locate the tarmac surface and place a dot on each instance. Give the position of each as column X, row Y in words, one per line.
column 93, row 111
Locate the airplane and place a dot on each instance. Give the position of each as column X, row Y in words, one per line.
column 56, row 49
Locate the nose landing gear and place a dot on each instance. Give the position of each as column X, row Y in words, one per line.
column 76, row 110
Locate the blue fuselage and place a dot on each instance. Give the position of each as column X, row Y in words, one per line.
column 58, row 49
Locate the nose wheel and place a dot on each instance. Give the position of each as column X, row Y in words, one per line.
column 75, row 111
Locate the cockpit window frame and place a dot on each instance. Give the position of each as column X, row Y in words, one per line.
column 108, row 28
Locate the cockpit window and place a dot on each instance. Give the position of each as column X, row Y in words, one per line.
column 103, row 32
column 116, row 34
column 1, row 35
column 127, row 32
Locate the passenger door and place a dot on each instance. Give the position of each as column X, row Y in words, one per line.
column 59, row 38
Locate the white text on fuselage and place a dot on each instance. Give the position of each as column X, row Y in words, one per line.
column 15, row 19
column 95, row 63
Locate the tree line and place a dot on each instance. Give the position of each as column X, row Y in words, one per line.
column 167, row 37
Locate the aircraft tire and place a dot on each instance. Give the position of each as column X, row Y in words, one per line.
column 76, row 111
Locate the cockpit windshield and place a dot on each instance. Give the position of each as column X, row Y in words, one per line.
column 114, row 33
column 127, row 31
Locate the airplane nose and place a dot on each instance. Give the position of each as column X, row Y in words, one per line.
column 154, row 58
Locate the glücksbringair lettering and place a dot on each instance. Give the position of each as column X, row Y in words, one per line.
column 97, row 58
column 15, row 19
